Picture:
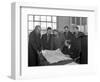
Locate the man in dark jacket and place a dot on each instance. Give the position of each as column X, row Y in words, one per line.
column 46, row 40
column 57, row 40
column 67, row 34
column 67, row 48
column 80, row 45
column 34, row 46
column 68, row 37
column 84, row 50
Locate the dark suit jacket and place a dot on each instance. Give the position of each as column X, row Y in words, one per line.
column 66, row 50
column 72, row 51
column 46, row 42
column 34, row 45
column 68, row 36
column 84, row 50
column 58, row 42
column 79, row 45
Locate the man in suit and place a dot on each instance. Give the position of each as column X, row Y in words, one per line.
column 84, row 50
column 67, row 48
column 67, row 34
column 68, row 37
column 46, row 39
column 34, row 46
column 57, row 40
column 80, row 45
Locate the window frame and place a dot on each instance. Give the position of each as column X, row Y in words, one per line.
column 40, row 21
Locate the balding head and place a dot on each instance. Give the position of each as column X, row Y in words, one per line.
column 37, row 29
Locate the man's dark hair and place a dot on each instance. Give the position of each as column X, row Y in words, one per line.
column 55, row 30
column 49, row 28
column 68, row 41
column 66, row 27
column 77, row 27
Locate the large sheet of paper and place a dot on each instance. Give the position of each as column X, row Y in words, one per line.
column 54, row 56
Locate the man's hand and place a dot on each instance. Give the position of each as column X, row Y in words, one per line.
column 38, row 52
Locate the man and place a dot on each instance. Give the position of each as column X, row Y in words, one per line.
column 84, row 50
column 57, row 40
column 80, row 45
column 46, row 39
column 67, row 34
column 34, row 46
column 81, row 41
column 67, row 48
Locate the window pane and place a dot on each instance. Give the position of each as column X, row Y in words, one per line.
column 86, row 29
column 78, row 20
column 37, row 18
column 73, row 20
column 30, row 18
column 49, row 25
column 43, row 18
column 36, row 23
column 54, row 19
column 81, row 28
column 48, row 18
column 54, row 26
column 30, row 25
column 43, row 32
column 43, row 25
column 84, row 21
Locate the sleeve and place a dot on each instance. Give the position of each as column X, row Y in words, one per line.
column 52, row 43
column 42, row 42
column 62, row 41
column 34, row 44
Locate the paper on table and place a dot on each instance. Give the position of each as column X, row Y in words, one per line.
column 54, row 56
column 72, row 63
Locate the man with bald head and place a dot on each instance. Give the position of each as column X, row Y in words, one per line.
column 34, row 46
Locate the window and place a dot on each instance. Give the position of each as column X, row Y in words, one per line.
column 42, row 20
column 73, row 20
column 30, row 18
column 84, row 21
column 48, row 18
column 78, row 20
column 81, row 22
column 37, row 18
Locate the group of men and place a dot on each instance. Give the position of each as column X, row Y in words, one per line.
column 71, row 43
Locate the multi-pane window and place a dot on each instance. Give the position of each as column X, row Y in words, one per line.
column 42, row 20
column 81, row 22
